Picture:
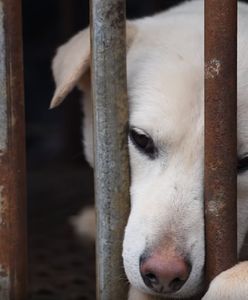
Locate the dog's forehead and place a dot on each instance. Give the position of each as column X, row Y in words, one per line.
column 164, row 90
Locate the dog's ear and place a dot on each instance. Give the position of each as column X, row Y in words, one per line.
column 71, row 65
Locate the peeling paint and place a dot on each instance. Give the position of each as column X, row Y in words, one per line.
column 215, row 206
column 3, row 92
column 4, row 283
column 213, row 68
column 1, row 205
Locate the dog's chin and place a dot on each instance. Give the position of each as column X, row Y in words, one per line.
column 197, row 294
column 189, row 291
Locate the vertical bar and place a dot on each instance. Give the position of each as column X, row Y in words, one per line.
column 12, row 155
column 111, row 154
column 220, row 135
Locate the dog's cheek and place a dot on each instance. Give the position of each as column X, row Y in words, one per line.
column 133, row 247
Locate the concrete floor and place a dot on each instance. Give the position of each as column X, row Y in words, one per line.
column 61, row 267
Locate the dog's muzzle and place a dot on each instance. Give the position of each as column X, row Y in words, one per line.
column 164, row 273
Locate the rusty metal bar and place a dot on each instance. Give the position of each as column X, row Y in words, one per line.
column 108, row 40
column 12, row 155
column 220, row 135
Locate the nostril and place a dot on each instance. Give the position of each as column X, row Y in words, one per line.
column 176, row 284
column 151, row 278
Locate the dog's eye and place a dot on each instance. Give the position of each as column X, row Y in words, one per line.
column 242, row 164
column 143, row 142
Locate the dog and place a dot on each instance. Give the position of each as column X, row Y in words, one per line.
column 163, row 247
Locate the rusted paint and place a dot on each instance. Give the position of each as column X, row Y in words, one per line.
column 3, row 95
column 220, row 135
column 12, row 158
column 111, row 153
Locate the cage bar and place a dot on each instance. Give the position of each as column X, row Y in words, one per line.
column 220, row 135
column 109, row 93
column 12, row 155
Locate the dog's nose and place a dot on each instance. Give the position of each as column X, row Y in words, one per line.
column 164, row 274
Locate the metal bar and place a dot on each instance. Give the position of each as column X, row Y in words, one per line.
column 12, row 155
column 109, row 94
column 220, row 135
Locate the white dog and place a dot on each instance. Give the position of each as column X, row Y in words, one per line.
column 163, row 248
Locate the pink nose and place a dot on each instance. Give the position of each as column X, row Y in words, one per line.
column 164, row 273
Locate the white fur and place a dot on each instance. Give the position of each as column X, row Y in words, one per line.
column 165, row 68
column 85, row 223
column 230, row 285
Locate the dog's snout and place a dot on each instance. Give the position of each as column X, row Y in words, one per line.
column 164, row 273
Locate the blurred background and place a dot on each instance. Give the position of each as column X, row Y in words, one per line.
column 60, row 183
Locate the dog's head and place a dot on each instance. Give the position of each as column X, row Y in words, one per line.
column 163, row 248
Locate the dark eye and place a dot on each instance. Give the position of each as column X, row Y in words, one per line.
column 242, row 164
column 143, row 142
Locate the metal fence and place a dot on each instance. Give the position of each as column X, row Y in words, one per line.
column 12, row 155
column 111, row 155
column 220, row 135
